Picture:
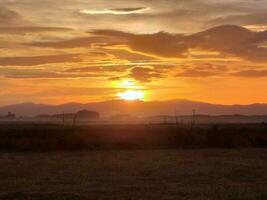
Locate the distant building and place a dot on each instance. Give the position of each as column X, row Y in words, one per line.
column 9, row 116
column 83, row 115
column 87, row 115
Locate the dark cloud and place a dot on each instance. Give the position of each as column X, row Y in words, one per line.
column 251, row 73
column 145, row 74
column 114, row 78
column 38, row 60
column 228, row 40
column 160, row 44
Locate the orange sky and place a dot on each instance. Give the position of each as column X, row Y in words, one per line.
column 87, row 51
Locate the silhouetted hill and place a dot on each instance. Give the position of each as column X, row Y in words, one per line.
column 137, row 108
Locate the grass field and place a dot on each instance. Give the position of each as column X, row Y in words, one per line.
column 135, row 174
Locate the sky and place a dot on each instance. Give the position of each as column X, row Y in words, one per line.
column 97, row 50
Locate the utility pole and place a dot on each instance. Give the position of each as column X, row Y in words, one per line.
column 176, row 117
column 194, row 118
column 181, row 121
column 74, row 119
column 163, row 120
column 63, row 118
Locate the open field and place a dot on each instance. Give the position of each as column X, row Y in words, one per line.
column 135, row 174
column 133, row 162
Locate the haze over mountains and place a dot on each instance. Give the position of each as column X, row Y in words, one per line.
column 137, row 108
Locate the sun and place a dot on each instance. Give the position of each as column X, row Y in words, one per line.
column 132, row 95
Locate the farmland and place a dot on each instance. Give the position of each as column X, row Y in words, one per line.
column 55, row 162
column 135, row 174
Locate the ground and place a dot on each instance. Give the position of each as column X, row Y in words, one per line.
column 135, row 174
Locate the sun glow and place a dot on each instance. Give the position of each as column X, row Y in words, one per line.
column 132, row 95
column 129, row 85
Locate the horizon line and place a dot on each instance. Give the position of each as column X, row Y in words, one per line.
column 132, row 101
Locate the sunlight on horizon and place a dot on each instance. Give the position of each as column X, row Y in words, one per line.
column 132, row 95
column 133, row 91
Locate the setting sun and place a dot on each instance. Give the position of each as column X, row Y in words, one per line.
column 132, row 95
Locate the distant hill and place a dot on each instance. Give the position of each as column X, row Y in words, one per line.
column 136, row 108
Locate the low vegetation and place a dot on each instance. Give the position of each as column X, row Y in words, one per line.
column 47, row 137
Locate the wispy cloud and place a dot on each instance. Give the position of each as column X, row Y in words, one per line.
column 117, row 11
column 39, row 60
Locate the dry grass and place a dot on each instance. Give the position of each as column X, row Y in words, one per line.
column 141, row 174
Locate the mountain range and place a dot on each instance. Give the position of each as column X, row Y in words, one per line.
column 137, row 108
